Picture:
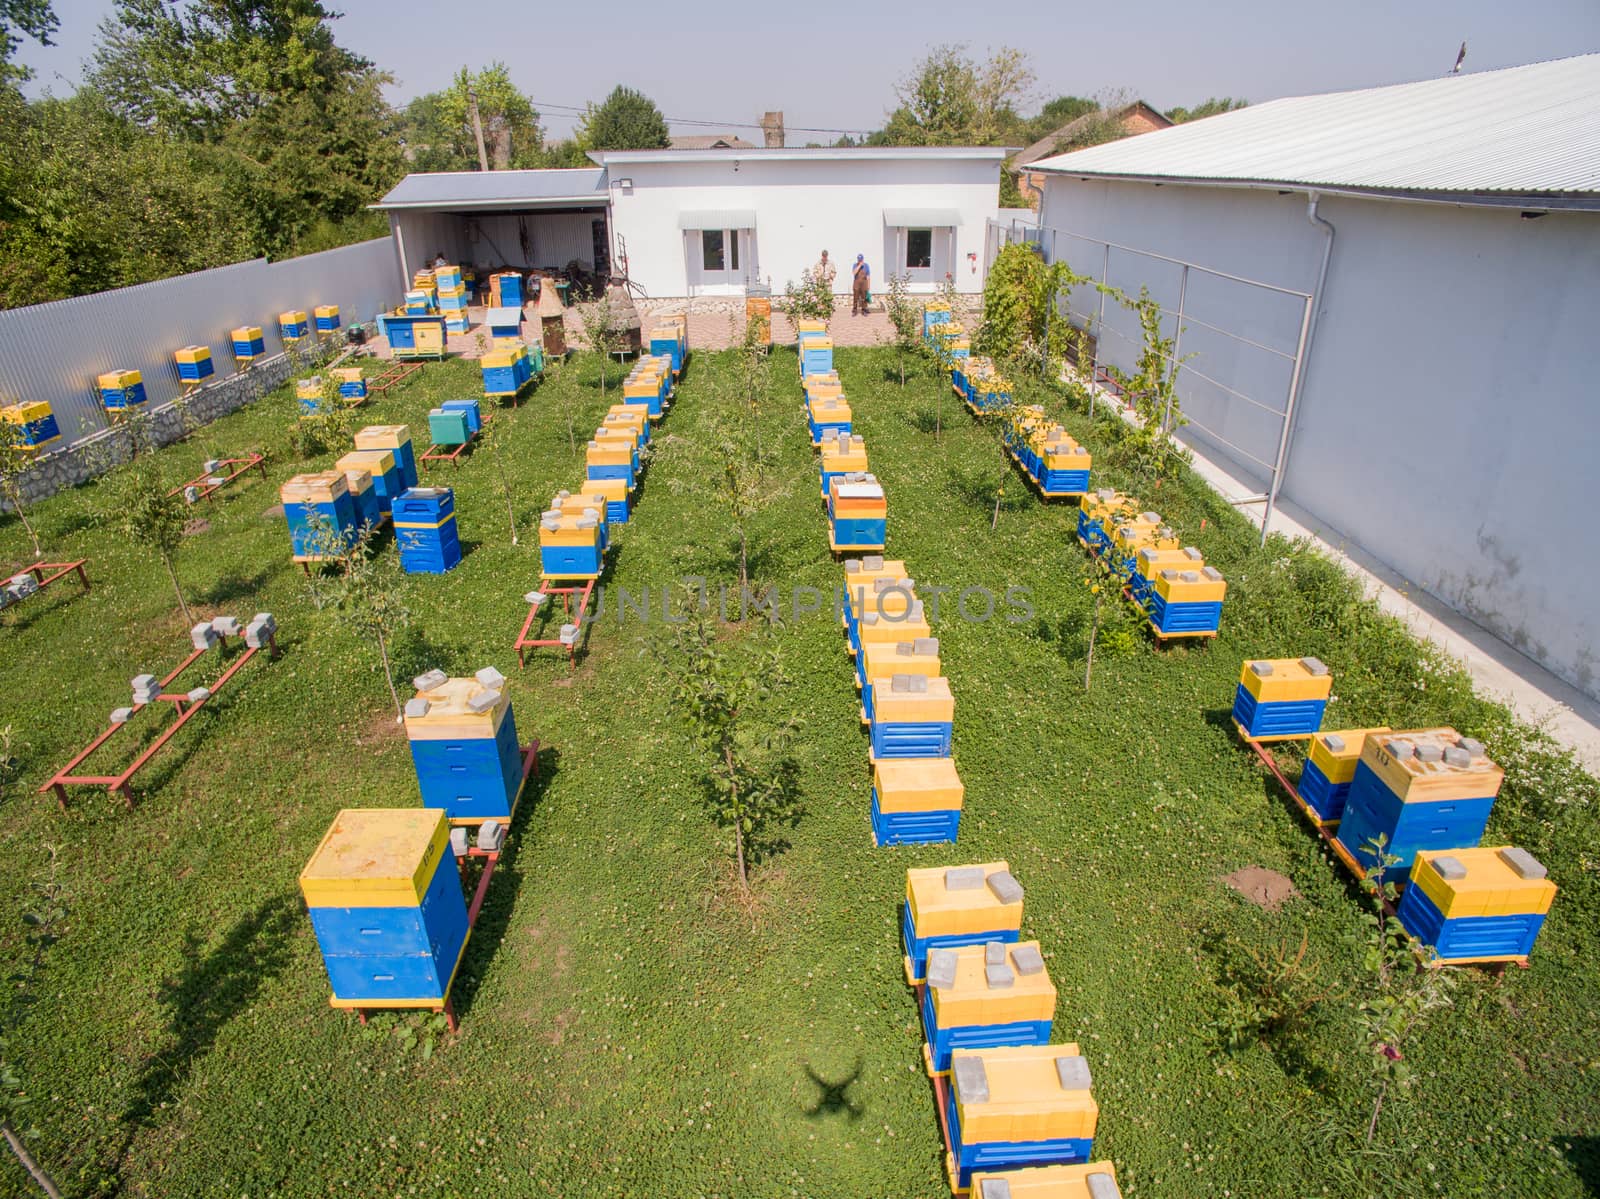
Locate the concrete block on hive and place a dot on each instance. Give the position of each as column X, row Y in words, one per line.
column 1027, row 960
column 484, row 701
column 994, row 953
column 1430, row 753
column 1263, row 669
column 998, row 975
column 963, row 878
column 972, row 1081
column 1522, row 862
column 941, row 968
column 1472, row 745
column 994, row 1188
column 1450, row 869
column 1073, row 1073
column 417, row 708
column 491, row 678
column 491, row 836
column 872, row 562
column 1103, row 1186
column 1005, row 887
column 1456, row 756
column 429, row 680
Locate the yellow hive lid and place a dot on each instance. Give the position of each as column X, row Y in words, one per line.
column 452, row 709
column 308, row 389
column 24, row 411
column 880, row 644
column 947, row 900
column 1154, row 559
column 247, row 333
column 1334, row 748
column 376, row 857
column 379, row 462
column 917, row 784
column 323, row 486
column 610, row 489
column 810, row 325
column 990, row 984
column 383, row 437
column 1024, row 1093
column 1483, row 881
column 192, row 353
column 1052, row 1182
column 326, row 310
column 347, row 374
column 581, row 502
column 292, row 316
column 860, row 572
column 120, row 378
column 934, row 703
column 358, row 479
column 1429, row 765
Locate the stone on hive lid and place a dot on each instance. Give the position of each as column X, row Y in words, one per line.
column 484, row 701
column 1450, row 869
column 1073, row 1073
column 995, row 1188
column 491, row 678
column 941, row 968
column 430, row 680
column 972, row 1080
column 926, row 645
column 963, row 878
column 1334, row 742
column 1429, row 753
column 1215, row 575
column 1261, row 669
column 1523, row 862
column 1102, row 1186
column 1472, row 745
column 1315, row 667
column 998, row 976
column 873, row 562
column 1454, row 755
column 1006, row 888
column 1027, row 959
column 418, row 707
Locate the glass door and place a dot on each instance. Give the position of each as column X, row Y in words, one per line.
column 720, row 258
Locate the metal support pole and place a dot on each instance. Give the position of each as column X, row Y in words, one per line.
column 1099, row 327
column 1288, row 420
column 1177, row 344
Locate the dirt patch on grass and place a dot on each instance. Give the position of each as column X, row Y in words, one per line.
column 378, row 729
column 557, row 1032
column 1265, row 888
column 196, row 525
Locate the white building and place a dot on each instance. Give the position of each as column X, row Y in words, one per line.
column 714, row 222
column 1429, row 254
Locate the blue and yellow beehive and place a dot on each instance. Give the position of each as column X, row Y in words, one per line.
column 936, row 313
column 915, row 801
column 650, row 383
column 884, row 655
column 982, row 996
column 667, row 341
column 858, row 513
column 1062, row 466
column 1281, row 699
column 952, row 906
column 584, row 502
column 309, row 392
column 194, row 363
column 358, row 477
column 1329, row 768
column 121, row 390
column 913, row 716
column 248, row 343
column 352, row 384
column 1083, row 1180
column 387, row 482
column 473, row 411
column 629, row 416
column 447, row 276
column 464, row 746
column 397, row 440
column 506, row 369
column 1421, row 789
column 612, row 435
column 842, row 454
column 1098, row 514
column 1477, row 905
column 449, row 427
column 384, row 893
column 816, row 356
column 881, row 610
column 610, row 460
column 827, row 414
column 1026, row 1105
column 35, row 421
column 416, row 335
column 416, row 303
column 312, row 502
column 505, row 327
column 1149, row 562
column 617, row 494
column 1186, row 603
column 425, row 530
column 570, row 545
column 293, row 325
column 505, row 289
column 861, row 576
column 326, row 318
column 1135, row 533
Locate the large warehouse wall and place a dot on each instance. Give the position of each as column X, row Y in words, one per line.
column 1444, row 423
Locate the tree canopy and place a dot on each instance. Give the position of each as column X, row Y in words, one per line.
column 36, row 19
column 1207, row 108
column 437, row 127
column 624, row 120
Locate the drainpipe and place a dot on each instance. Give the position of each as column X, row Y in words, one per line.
column 1302, row 356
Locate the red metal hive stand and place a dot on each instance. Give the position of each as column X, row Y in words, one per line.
column 182, row 705
column 393, row 375
column 204, row 486
column 570, row 606
column 452, row 454
column 46, row 573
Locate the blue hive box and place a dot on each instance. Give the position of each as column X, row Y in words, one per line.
column 1477, row 905
column 397, row 440
column 385, row 899
column 915, row 801
column 912, row 717
column 473, row 411
column 309, row 500
column 1281, row 698
column 983, row 996
column 369, row 508
column 425, row 530
column 1423, row 789
column 464, row 745
column 1008, row 1081
column 948, row 907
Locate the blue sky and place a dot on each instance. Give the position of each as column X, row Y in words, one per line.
column 835, row 66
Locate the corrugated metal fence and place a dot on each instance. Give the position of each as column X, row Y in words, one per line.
column 56, row 351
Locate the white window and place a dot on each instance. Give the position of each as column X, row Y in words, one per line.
column 919, row 250
column 718, row 259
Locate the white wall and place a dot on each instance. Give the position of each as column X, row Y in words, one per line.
column 1445, row 422
column 802, row 207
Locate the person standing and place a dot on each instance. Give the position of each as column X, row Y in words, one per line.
column 860, row 286
column 825, row 271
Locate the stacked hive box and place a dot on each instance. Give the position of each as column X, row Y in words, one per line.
column 121, row 391
column 397, row 440
column 669, row 340
column 1148, row 563
column 947, row 908
column 858, row 513
column 292, row 325
column 1186, row 602
column 505, row 290
column 1144, row 531
column 248, row 343
column 505, row 327
column 35, row 422
column 415, row 335
column 449, row 426
column 352, row 386
column 380, row 467
column 425, row 530
column 1477, row 905
column 611, row 459
column 841, row 455
column 934, row 314
column 982, row 996
column 1281, row 698
column 987, row 390
column 587, row 502
column 314, row 503
column 194, row 364
column 358, row 478
column 423, row 281
column 915, row 801
column 464, row 746
column 326, row 317
column 650, row 383
column 1098, row 515
column 629, row 416
column 571, row 546
column 1028, row 1105
column 816, row 356
column 309, row 392
column 1329, row 768
column 469, row 409
column 416, row 303
column 1423, row 789
column 1086, row 1180
column 1057, row 464
column 827, row 414
column 452, row 297
column 874, row 583
column 385, row 900
column 506, row 370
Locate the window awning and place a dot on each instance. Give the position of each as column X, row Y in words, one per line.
column 733, row 218
column 921, row 218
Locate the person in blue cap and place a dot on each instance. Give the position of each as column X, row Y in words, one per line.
column 860, row 286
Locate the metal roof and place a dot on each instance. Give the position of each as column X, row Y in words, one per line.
column 809, row 154
column 498, row 189
column 1490, row 137
column 921, row 218
column 729, row 218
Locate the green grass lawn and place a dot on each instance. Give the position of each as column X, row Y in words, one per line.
column 629, row 1025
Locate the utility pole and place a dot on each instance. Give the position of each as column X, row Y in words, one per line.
column 477, row 127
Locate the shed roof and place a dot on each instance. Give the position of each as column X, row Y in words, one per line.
column 1529, row 132
column 708, row 141
column 498, row 189
column 1047, row 143
column 807, row 154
